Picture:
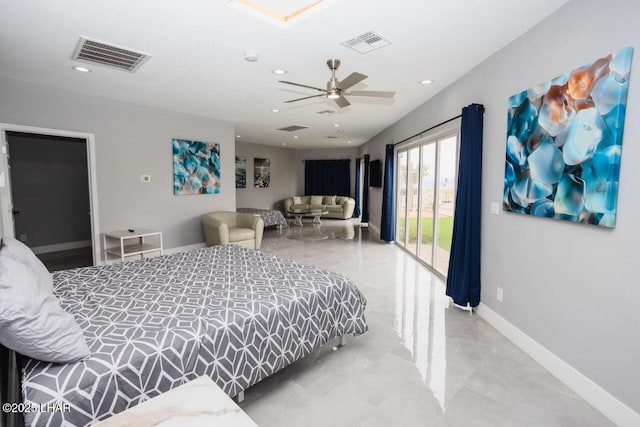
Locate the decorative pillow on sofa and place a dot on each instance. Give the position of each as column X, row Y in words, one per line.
column 31, row 320
column 297, row 200
column 340, row 200
column 329, row 200
column 18, row 251
column 315, row 200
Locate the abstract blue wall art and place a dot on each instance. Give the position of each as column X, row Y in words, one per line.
column 241, row 172
column 564, row 140
column 196, row 167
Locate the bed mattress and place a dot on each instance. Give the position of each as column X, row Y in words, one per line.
column 270, row 217
column 231, row 313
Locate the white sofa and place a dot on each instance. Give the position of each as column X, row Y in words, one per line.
column 339, row 207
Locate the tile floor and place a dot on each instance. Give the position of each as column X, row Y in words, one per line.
column 422, row 363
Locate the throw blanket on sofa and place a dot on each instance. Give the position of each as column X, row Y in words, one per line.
column 270, row 217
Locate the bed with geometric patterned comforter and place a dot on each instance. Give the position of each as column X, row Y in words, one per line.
column 231, row 313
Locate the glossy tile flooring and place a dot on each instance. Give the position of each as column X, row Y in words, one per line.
column 422, row 363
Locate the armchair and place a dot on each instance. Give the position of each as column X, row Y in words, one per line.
column 242, row 229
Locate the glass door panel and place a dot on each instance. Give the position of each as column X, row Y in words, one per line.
column 427, row 184
column 401, row 201
column 413, row 182
column 447, row 173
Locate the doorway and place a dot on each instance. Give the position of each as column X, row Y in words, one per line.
column 48, row 194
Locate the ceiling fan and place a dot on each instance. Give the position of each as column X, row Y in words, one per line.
column 336, row 90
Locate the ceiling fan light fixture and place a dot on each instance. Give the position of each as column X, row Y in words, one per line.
column 334, row 94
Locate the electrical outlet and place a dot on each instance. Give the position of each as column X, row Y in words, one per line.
column 500, row 295
column 145, row 178
column 23, row 237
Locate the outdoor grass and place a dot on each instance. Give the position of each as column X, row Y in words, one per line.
column 445, row 231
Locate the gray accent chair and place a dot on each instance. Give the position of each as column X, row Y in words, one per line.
column 242, row 229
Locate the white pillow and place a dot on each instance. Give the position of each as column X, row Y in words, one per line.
column 20, row 252
column 297, row 200
column 31, row 319
column 316, row 200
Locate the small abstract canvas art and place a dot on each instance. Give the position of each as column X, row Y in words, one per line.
column 564, row 140
column 261, row 173
column 196, row 167
column 241, row 172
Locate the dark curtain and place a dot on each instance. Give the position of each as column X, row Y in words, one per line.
column 463, row 278
column 356, row 211
column 365, row 192
column 387, row 228
column 327, row 177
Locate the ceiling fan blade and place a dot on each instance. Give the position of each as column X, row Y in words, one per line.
column 351, row 80
column 306, row 97
column 376, row 93
column 342, row 102
column 301, row 85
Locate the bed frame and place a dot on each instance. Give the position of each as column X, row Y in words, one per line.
column 9, row 388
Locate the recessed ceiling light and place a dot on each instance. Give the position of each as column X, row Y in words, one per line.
column 237, row 136
column 295, row 136
column 251, row 56
column 275, row 110
column 81, row 69
column 348, row 142
column 336, row 125
column 426, row 82
column 279, row 71
column 284, row 143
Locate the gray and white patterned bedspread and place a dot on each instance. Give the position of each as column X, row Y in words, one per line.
column 231, row 313
column 270, row 217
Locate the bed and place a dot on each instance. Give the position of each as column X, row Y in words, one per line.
column 271, row 217
column 231, row 313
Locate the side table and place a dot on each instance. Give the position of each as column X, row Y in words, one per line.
column 131, row 242
column 198, row 403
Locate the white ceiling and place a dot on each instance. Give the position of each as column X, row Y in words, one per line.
column 198, row 67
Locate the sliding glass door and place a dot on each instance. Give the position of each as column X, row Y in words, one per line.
column 427, row 172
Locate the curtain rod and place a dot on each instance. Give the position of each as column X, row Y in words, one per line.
column 431, row 128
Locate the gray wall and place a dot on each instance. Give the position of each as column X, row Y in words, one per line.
column 130, row 140
column 50, row 189
column 571, row 287
column 283, row 177
column 324, row 154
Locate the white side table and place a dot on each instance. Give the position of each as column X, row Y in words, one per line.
column 198, row 403
column 140, row 241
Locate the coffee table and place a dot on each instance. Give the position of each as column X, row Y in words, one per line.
column 308, row 213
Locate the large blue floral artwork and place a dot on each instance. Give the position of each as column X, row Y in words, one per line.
column 564, row 140
column 196, row 167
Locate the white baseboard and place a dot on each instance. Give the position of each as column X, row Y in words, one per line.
column 598, row 397
column 165, row 251
column 57, row 247
column 169, row 251
column 374, row 228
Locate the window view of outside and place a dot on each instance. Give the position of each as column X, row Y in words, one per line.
column 426, row 200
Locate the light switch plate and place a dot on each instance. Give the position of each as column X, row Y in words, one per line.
column 495, row 208
column 145, row 178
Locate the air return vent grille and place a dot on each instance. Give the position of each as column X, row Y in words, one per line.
column 101, row 53
column 366, row 42
column 293, row 128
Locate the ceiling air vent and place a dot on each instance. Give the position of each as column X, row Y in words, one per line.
column 332, row 137
column 101, row 53
column 327, row 112
column 293, row 128
column 366, row 42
